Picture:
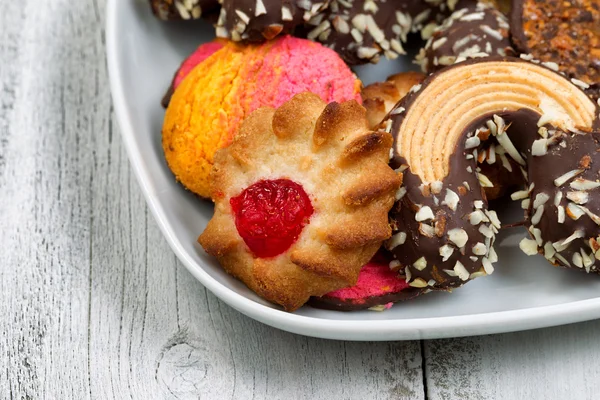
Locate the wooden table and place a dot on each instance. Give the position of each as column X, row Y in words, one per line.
column 93, row 303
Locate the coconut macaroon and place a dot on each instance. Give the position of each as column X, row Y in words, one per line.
column 301, row 199
column 443, row 230
column 473, row 32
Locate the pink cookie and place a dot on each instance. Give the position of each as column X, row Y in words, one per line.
column 377, row 285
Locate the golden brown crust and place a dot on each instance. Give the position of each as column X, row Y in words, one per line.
column 380, row 97
column 342, row 166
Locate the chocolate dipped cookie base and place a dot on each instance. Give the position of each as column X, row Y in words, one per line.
column 443, row 230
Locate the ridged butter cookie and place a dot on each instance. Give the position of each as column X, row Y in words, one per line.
column 301, row 199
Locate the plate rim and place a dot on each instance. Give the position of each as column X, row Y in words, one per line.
column 359, row 330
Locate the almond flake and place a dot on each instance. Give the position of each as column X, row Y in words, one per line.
column 461, row 271
column 561, row 180
column 446, row 252
column 458, row 236
column 451, row 200
column 420, row 264
column 424, row 214
column 528, row 246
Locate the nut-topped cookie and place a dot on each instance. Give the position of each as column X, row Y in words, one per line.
column 361, row 31
column 301, row 199
column 169, row 10
column 260, row 20
column 473, row 32
column 443, row 230
column 563, row 201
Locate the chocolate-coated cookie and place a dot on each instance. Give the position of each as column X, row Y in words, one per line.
column 472, row 32
column 182, row 9
column 260, row 20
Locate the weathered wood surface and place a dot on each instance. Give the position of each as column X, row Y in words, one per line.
column 94, row 305
column 93, row 302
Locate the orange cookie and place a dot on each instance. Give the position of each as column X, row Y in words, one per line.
column 211, row 102
column 301, row 199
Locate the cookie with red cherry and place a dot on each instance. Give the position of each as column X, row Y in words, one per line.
column 301, row 199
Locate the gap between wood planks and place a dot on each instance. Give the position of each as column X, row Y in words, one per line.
column 423, row 369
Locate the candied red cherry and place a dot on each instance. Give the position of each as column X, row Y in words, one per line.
column 270, row 215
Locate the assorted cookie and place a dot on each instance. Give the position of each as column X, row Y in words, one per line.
column 444, row 231
column 301, row 199
column 564, row 33
column 471, row 32
column 380, row 97
column 321, row 200
column 210, row 104
column 377, row 289
column 203, row 51
column 170, row 10
column 563, row 205
column 260, row 20
column 361, row 30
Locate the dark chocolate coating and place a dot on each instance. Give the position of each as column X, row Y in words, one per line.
column 421, row 253
column 171, row 10
column 332, row 303
column 363, row 30
column 420, row 245
column 572, row 152
column 476, row 31
column 260, row 20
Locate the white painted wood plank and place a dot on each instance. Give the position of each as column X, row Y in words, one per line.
column 93, row 303
column 554, row 363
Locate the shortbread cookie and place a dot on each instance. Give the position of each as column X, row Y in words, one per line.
column 301, row 199
column 212, row 101
column 443, row 230
column 380, row 97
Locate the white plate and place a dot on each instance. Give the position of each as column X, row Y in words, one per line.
column 523, row 293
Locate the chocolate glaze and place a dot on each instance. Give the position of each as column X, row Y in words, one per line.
column 343, row 28
column 239, row 21
column 573, row 152
column 172, row 10
column 462, row 180
column 475, row 31
column 472, row 199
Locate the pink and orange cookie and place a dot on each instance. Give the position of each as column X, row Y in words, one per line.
column 203, row 51
column 211, row 102
column 302, row 197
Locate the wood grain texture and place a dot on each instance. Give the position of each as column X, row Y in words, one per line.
column 554, row 363
column 93, row 303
